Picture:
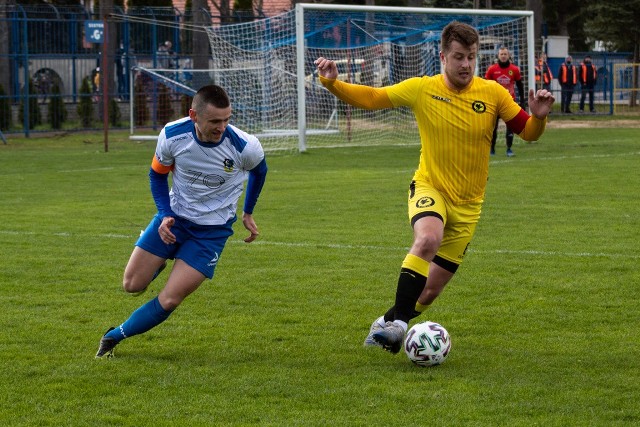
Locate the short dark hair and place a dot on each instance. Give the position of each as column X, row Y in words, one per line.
column 462, row 33
column 210, row 95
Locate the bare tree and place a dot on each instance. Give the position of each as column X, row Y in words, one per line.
column 224, row 10
column 201, row 19
column 538, row 17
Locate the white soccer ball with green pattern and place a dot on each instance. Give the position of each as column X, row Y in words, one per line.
column 427, row 344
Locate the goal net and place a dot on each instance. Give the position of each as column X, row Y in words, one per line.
column 267, row 67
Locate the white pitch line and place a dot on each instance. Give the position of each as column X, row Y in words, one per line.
column 343, row 246
column 493, row 162
column 479, row 251
column 106, row 168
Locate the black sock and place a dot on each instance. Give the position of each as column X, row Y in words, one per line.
column 389, row 316
column 410, row 286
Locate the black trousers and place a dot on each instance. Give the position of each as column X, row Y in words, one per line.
column 565, row 98
column 583, row 96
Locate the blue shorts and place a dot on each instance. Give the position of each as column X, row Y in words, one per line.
column 200, row 246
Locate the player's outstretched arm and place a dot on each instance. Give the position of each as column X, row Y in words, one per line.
column 360, row 96
column 540, row 103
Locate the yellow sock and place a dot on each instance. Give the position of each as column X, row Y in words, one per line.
column 416, row 264
column 420, row 307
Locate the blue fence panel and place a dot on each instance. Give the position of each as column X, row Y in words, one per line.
column 49, row 46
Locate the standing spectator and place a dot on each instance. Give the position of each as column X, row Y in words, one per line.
column 121, row 71
column 171, row 55
column 508, row 75
column 95, row 82
column 95, row 75
column 588, row 77
column 165, row 54
column 543, row 73
column 568, row 78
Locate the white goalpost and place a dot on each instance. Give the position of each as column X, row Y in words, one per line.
column 267, row 68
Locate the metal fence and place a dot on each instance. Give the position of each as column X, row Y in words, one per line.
column 611, row 89
column 47, row 52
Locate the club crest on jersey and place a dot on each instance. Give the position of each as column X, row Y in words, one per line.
column 479, row 107
column 425, row 202
column 228, row 165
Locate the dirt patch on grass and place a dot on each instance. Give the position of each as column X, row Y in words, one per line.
column 576, row 124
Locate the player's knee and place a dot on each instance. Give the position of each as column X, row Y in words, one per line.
column 127, row 285
column 131, row 285
column 169, row 302
column 426, row 244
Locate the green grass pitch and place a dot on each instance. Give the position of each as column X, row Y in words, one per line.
column 543, row 314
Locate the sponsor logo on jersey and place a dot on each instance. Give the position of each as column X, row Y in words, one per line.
column 504, row 81
column 440, row 98
column 213, row 181
column 479, row 107
column 181, row 138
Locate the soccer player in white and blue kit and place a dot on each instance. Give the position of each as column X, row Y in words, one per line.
column 209, row 160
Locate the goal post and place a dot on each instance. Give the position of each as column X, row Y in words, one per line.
column 267, row 67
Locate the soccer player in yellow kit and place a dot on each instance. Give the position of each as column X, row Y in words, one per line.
column 456, row 113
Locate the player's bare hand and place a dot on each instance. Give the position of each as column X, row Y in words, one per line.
column 540, row 103
column 326, row 68
column 165, row 230
column 250, row 224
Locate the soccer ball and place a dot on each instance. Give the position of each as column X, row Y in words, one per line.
column 427, row 344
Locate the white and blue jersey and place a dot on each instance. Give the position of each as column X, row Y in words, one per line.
column 208, row 178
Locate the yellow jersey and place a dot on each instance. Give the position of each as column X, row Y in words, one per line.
column 455, row 126
column 455, row 131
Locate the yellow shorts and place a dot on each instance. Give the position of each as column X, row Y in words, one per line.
column 459, row 220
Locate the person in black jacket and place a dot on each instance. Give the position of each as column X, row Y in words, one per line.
column 588, row 78
column 568, row 78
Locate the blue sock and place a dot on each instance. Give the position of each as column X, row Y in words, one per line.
column 144, row 318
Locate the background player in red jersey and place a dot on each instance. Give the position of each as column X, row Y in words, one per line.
column 508, row 75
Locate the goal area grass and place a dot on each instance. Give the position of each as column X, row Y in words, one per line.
column 543, row 314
